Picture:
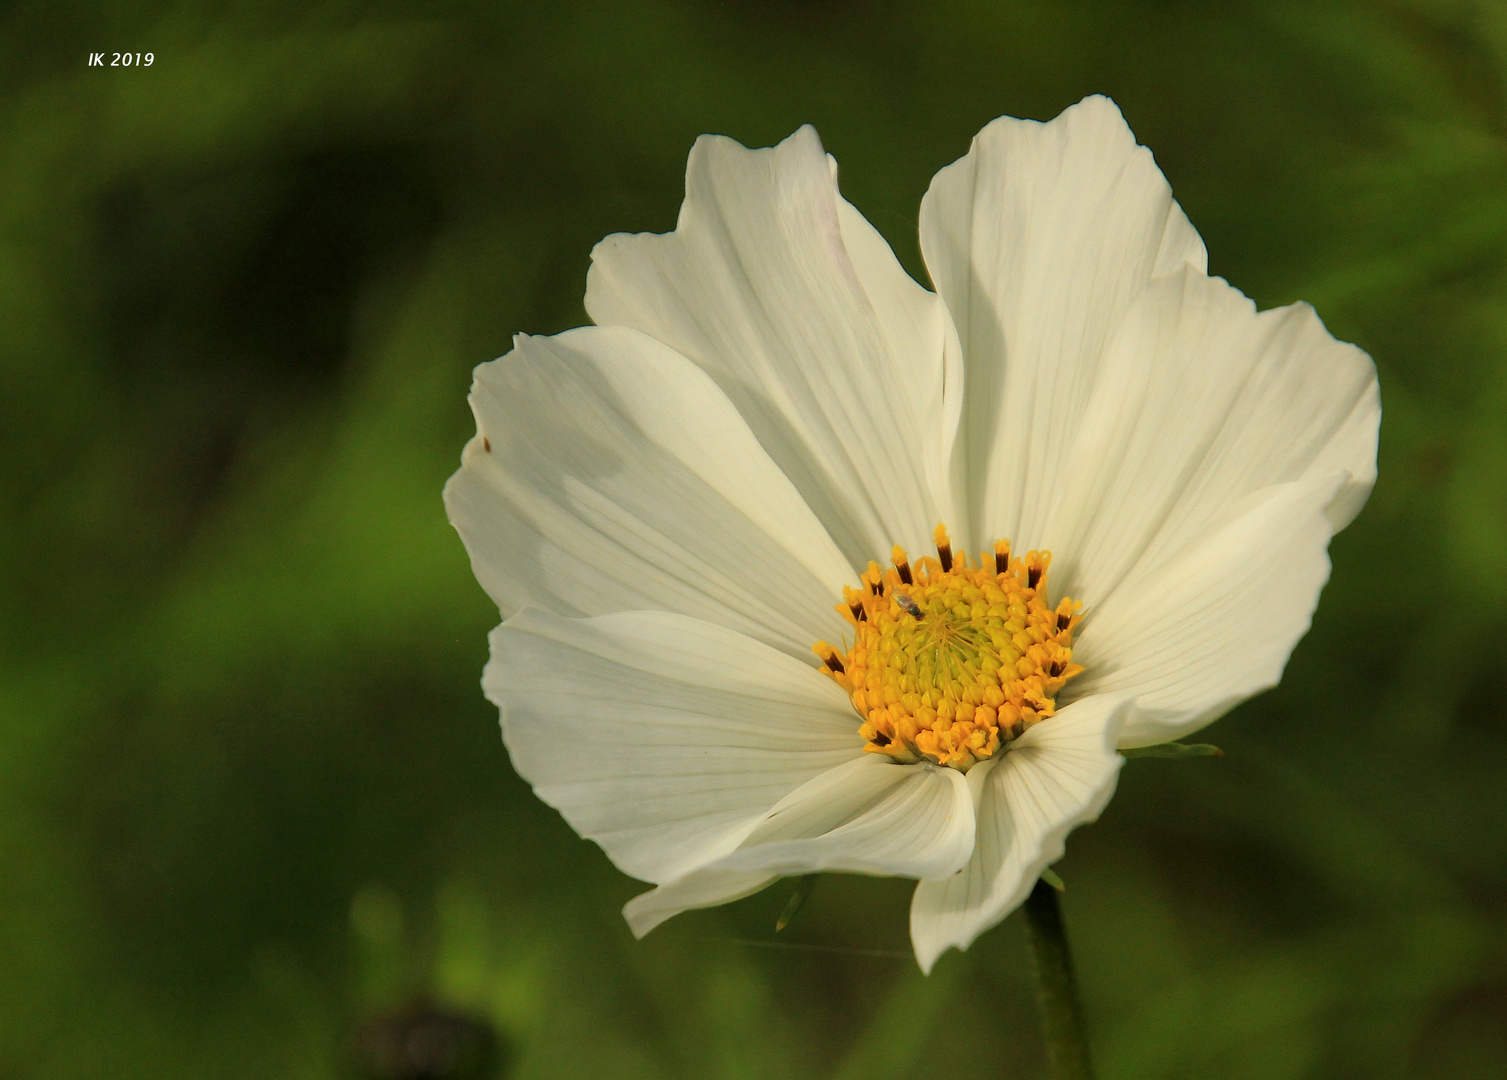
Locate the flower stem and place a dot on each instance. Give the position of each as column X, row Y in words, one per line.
column 1062, row 1015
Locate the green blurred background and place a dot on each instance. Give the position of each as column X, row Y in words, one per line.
column 250, row 794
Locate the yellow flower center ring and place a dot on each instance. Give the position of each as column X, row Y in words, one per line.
column 950, row 661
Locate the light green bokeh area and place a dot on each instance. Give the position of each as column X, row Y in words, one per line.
column 249, row 789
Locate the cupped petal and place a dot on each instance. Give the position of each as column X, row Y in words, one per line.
column 1216, row 625
column 1200, row 404
column 867, row 816
column 1055, row 777
column 662, row 738
column 1039, row 240
column 609, row 473
column 846, row 370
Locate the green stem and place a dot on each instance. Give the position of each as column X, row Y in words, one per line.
column 1062, row 1015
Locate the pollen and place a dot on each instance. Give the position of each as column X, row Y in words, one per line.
column 950, row 660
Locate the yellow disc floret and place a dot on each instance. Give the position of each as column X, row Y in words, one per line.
column 950, row 661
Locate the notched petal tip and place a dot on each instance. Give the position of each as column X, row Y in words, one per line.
column 1095, row 110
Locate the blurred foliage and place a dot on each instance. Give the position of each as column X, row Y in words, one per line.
column 250, row 794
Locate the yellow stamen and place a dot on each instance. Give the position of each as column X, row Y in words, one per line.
column 944, row 548
column 902, row 564
column 950, row 662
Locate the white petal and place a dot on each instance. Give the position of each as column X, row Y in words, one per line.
column 798, row 309
column 703, row 889
column 1202, row 402
column 1215, row 626
column 1055, row 777
column 868, row 816
column 1039, row 240
column 609, row 473
column 663, row 738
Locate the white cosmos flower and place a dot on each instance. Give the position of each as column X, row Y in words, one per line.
column 668, row 505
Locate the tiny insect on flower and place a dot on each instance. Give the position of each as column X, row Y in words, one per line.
column 1129, row 477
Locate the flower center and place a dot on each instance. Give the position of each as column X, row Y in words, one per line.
column 950, row 661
